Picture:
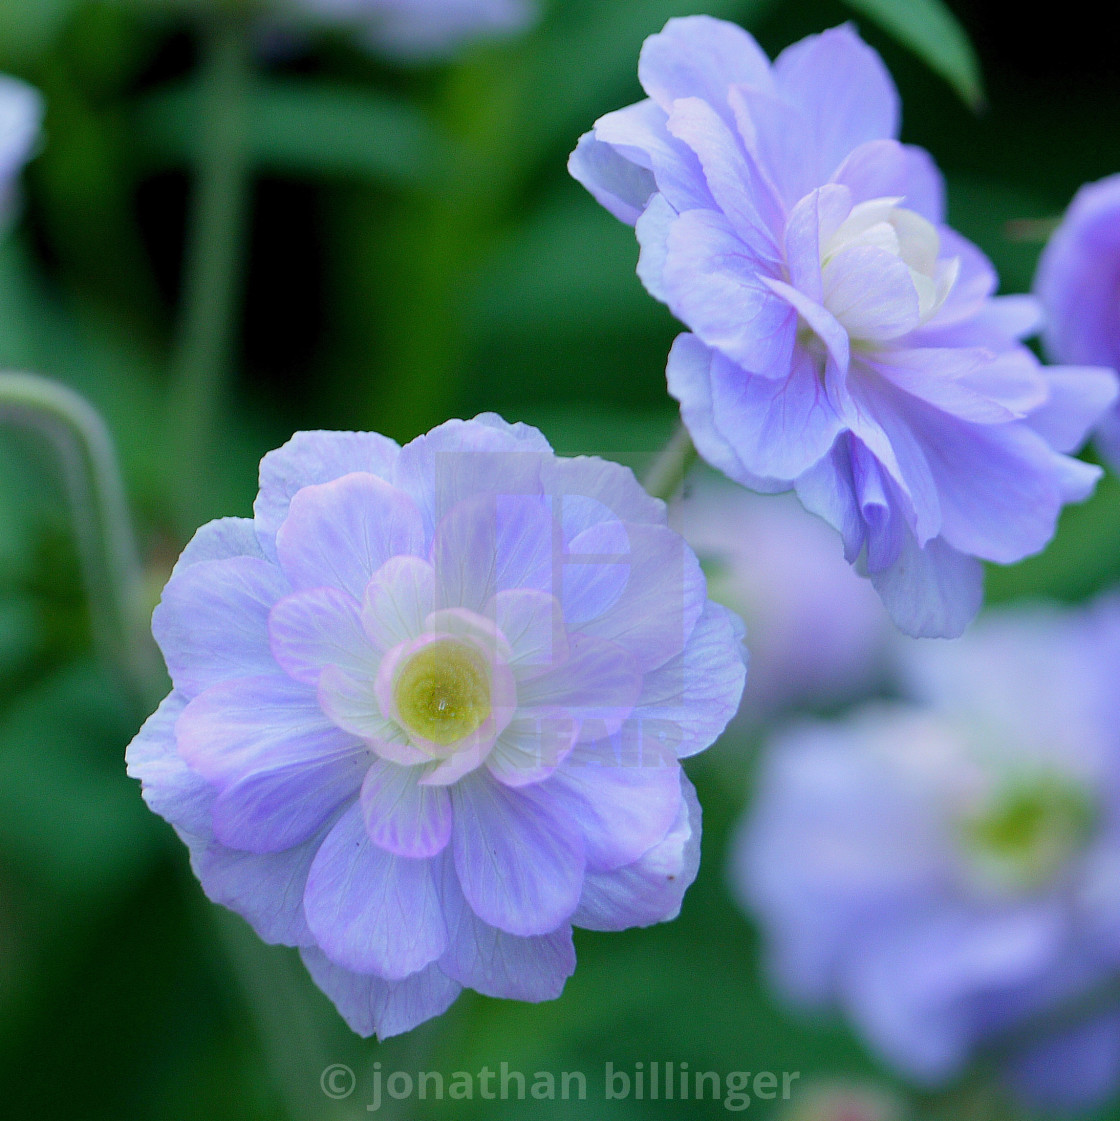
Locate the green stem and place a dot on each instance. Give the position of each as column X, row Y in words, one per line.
column 107, row 544
column 214, row 260
column 668, row 471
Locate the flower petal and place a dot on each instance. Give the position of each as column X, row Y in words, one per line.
column 401, row 815
column 339, row 534
column 520, row 863
column 316, row 628
column 369, row 910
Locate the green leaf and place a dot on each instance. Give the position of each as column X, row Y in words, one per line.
column 931, row 30
column 306, row 128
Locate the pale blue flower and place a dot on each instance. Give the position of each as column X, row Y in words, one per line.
column 21, row 122
column 844, row 341
column 947, row 872
column 428, row 708
column 1078, row 280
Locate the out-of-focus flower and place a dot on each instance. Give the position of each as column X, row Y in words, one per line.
column 844, row 342
column 428, row 708
column 422, row 28
column 1078, row 283
column 819, row 635
column 21, row 120
column 844, row 1101
column 949, row 874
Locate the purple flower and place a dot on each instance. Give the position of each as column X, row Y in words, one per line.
column 1077, row 282
column 428, row 708
column 21, row 119
column 948, row 873
column 423, row 28
column 819, row 634
column 844, row 342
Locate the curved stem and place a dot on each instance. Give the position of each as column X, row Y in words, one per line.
column 214, row 259
column 668, row 471
column 107, row 544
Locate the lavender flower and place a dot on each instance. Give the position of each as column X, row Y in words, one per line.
column 423, row 28
column 21, row 120
column 1077, row 281
column 819, row 634
column 946, row 873
column 844, row 342
column 427, row 711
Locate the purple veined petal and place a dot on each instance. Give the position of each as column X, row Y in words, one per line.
column 212, row 622
column 401, row 595
column 281, row 805
column 870, row 291
column 369, row 910
column 311, row 458
column 222, row 539
column 170, row 788
column 638, row 133
column 519, row 862
column 236, row 727
column 532, row 623
column 820, row 321
column 697, row 693
column 622, row 799
column 1078, row 397
column 650, row 889
column 372, row 1006
column 811, row 224
column 1016, row 317
column 266, row 888
column 690, row 381
column 351, row 704
column 774, row 135
column 401, row 815
column 652, row 229
column 643, row 589
column 843, row 91
column 492, row 962
column 316, row 628
column 932, row 591
column 340, row 533
column 493, row 542
column 883, row 520
column 714, row 285
column 698, row 56
column 586, row 491
column 532, row 747
column 460, row 460
column 887, row 169
column 739, row 190
column 884, row 434
column 975, row 284
column 997, row 485
column 622, row 187
column 780, row 428
column 828, row 490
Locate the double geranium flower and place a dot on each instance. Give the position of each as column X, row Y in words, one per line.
column 844, row 341
column 427, row 712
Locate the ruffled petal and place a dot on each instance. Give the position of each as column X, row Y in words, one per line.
column 401, row 815
column 316, row 628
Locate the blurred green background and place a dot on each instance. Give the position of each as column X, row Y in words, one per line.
column 412, row 249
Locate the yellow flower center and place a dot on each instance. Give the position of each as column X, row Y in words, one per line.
column 443, row 691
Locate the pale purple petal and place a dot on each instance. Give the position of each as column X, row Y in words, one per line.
column 339, row 534
column 495, row 963
column 401, row 595
column 310, row 458
column 317, row 628
column 620, row 186
column 402, row 816
column 372, row 1006
column 369, row 910
column 520, row 862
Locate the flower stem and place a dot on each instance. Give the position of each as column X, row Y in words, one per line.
column 668, row 471
column 214, row 260
column 106, row 542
